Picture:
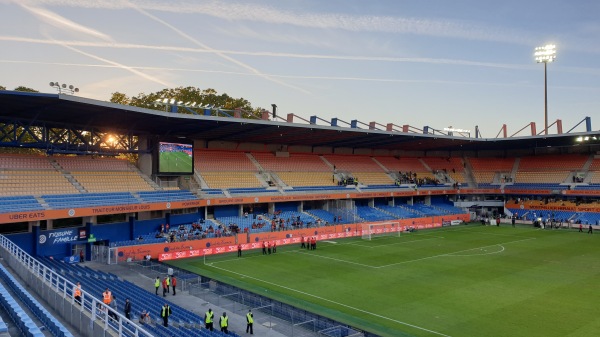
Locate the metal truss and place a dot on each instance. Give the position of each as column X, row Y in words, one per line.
column 68, row 139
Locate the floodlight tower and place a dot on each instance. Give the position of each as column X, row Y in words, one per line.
column 544, row 55
column 64, row 89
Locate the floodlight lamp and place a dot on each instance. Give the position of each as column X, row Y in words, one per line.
column 158, row 100
column 51, row 84
column 579, row 139
column 64, row 86
column 172, row 101
column 71, row 87
column 165, row 100
column 179, row 102
column 545, row 54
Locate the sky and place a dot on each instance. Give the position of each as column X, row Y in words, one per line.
column 434, row 63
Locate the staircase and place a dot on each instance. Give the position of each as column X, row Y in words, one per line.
column 68, row 176
column 145, row 177
column 255, row 162
column 469, row 176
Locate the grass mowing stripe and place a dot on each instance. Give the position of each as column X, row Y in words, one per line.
column 334, row 302
column 518, row 291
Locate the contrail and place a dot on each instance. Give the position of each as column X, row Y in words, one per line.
column 64, row 23
column 270, row 54
column 122, row 66
column 216, row 52
column 330, row 78
column 355, row 23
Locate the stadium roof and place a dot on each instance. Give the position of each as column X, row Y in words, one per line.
column 66, row 111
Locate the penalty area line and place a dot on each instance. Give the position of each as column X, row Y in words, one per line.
column 450, row 254
column 334, row 302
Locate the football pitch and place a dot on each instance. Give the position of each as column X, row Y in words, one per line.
column 175, row 162
column 468, row 280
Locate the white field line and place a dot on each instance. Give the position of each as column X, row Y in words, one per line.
column 395, row 243
column 480, row 254
column 334, row 302
column 339, row 260
column 449, row 254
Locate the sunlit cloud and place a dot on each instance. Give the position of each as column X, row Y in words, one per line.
column 62, row 22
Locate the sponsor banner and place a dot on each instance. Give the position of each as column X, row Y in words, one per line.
column 155, row 250
column 581, row 208
column 132, row 208
column 456, row 222
column 320, row 233
column 72, row 259
column 58, row 236
column 583, row 192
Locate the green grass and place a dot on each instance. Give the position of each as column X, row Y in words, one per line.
column 175, row 162
column 460, row 281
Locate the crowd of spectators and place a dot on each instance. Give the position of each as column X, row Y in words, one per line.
column 412, row 178
column 197, row 230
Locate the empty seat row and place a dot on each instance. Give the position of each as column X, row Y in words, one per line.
column 18, row 315
column 55, row 327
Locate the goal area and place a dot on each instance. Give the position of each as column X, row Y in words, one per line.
column 373, row 230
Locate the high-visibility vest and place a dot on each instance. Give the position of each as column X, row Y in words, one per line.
column 107, row 297
column 209, row 316
column 168, row 281
column 77, row 292
column 164, row 312
column 157, row 283
column 249, row 318
column 224, row 321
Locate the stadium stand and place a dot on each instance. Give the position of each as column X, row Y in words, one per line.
column 60, row 201
column 158, row 196
column 19, row 203
column 50, row 322
column 485, row 169
column 95, row 282
column 231, row 179
column 28, row 182
column 364, row 169
column 18, row 315
column 453, row 167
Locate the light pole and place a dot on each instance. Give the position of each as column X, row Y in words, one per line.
column 544, row 55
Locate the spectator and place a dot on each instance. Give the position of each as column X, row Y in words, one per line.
column 113, row 309
column 77, row 293
column 127, row 309
column 173, row 284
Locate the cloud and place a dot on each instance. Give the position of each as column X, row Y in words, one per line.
column 63, row 23
column 301, row 77
column 270, row 54
column 217, row 52
column 238, row 11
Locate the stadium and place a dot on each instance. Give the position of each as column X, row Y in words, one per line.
column 358, row 230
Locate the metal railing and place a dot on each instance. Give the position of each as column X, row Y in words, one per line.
column 89, row 306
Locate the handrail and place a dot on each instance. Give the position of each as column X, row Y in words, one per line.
column 63, row 286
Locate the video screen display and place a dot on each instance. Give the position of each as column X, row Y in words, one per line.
column 175, row 158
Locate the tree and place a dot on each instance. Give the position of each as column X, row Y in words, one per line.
column 25, row 89
column 2, row 87
column 120, row 98
column 189, row 95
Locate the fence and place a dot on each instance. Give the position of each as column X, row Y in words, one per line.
column 88, row 317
